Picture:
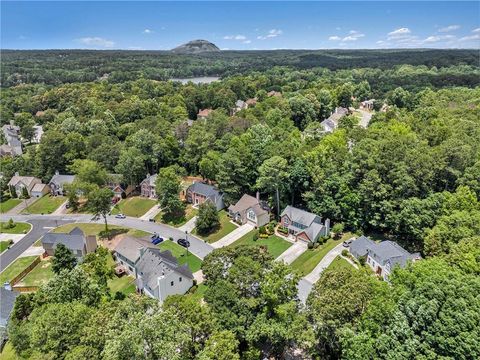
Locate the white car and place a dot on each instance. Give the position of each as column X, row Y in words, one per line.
column 120, row 216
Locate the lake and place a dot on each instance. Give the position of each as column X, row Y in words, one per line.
column 198, row 80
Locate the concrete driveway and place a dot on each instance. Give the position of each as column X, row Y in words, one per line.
column 366, row 116
column 189, row 225
column 150, row 214
column 324, row 263
column 233, row 236
column 293, row 252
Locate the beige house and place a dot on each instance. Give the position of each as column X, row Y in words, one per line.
column 76, row 241
column 251, row 210
column 39, row 190
column 20, row 182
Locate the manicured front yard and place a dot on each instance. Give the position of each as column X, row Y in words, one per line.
column 39, row 275
column 4, row 245
column 306, row 262
column 19, row 228
column 95, row 229
column 275, row 245
column 190, row 212
column 133, row 206
column 124, row 284
column 225, row 228
column 16, row 268
column 193, row 262
column 45, row 205
column 340, row 263
column 9, row 205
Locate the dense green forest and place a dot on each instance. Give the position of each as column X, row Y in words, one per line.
column 412, row 175
column 55, row 67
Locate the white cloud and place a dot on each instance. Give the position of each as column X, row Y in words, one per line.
column 353, row 36
column 271, row 34
column 401, row 32
column 470, row 37
column 235, row 37
column 334, row 38
column 437, row 38
column 246, row 41
column 449, row 28
column 147, row 31
column 96, row 42
column 477, row 30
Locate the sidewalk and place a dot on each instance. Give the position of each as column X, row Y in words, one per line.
column 293, row 252
column 189, row 225
column 22, row 206
column 233, row 236
column 150, row 214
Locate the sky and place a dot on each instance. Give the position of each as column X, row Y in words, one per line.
column 240, row 25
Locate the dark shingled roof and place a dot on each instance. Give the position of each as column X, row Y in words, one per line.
column 7, row 301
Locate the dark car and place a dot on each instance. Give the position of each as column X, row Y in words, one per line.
column 183, row 242
column 151, row 220
column 347, row 243
column 157, row 241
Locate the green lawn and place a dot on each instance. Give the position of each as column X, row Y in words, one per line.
column 226, row 227
column 45, row 205
column 9, row 205
column 39, row 275
column 124, row 284
column 190, row 212
column 134, row 206
column 95, row 229
column 16, row 268
column 19, row 228
column 180, row 253
column 4, row 245
column 198, row 292
column 275, row 245
column 306, row 262
column 339, row 263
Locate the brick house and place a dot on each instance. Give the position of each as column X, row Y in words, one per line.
column 199, row 192
column 147, row 186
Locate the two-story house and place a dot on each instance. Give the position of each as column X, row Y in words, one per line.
column 58, row 181
column 251, row 210
column 303, row 225
column 127, row 252
column 199, row 192
column 381, row 257
column 147, row 186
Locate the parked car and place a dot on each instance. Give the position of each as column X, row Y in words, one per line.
column 183, row 242
column 151, row 220
column 157, row 241
column 347, row 243
column 120, row 216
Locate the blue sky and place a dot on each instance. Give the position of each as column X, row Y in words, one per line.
column 240, row 25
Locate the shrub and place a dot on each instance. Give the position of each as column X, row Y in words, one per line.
column 310, row 245
column 194, row 282
column 283, row 230
column 10, row 224
column 255, row 236
column 119, row 295
column 170, row 238
column 264, row 236
column 262, row 230
column 345, row 252
column 361, row 261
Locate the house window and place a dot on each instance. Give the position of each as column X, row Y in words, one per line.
column 286, row 222
column 180, row 279
column 129, row 268
column 251, row 215
column 171, row 283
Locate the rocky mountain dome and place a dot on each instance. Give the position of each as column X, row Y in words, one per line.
column 196, row 47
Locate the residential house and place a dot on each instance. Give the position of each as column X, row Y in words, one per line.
column 12, row 136
column 147, row 186
column 75, row 240
column 159, row 275
column 367, row 104
column 39, row 190
column 58, row 182
column 127, row 252
column 381, row 257
column 274, row 93
column 251, row 210
column 331, row 123
column 37, row 136
column 303, row 225
column 115, row 183
column 157, row 272
column 199, row 192
column 251, row 102
column 239, row 105
column 203, row 114
column 20, row 182
column 7, row 302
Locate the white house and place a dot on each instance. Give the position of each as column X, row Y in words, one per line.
column 58, row 181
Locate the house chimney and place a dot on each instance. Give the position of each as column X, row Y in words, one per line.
column 16, row 173
column 7, row 286
column 12, row 123
column 57, row 172
column 257, row 195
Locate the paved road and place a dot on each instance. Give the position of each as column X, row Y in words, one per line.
column 304, row 287
column 39, row 228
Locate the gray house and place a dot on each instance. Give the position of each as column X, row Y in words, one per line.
column 381, row 257
column 12, row 136
column 7, row 301
column 331, row 123
column 157, row 272
column 303, row 225
column 199, row 192
column 58, row 181
column 159, row 275
column 75, row 240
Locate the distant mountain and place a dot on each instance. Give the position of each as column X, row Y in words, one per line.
column 196, row 47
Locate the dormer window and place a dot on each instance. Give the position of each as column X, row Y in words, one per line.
column 171, row 283
column 180, row 279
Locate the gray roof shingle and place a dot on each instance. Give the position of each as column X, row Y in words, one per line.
column 7, row 301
